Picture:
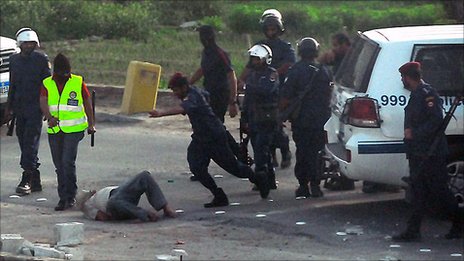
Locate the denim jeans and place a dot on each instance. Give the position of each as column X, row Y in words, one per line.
column 64, row 153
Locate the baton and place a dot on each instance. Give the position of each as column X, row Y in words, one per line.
column 92, row 136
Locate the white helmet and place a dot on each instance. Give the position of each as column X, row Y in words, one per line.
column 271, row 13
column 262, row 51
column 26, row 35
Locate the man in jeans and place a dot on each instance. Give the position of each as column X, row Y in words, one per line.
column 120, row 202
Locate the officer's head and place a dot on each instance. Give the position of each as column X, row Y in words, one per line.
column 271, row 23
column 61, row 66
column 341, row 43
column 410, row 74
column 260, row 56
column 179, row 85
column 27, row 40
column 308, row 48
column 207, row 35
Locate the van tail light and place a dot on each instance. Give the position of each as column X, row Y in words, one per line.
column 362, row 112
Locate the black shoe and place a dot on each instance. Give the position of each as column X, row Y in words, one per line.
column 61, row 205
column 193, row 178
column 316, row 191
column 456, row 231
column 262, row 183
column 339, row 184
column 220, row 199
column 286, row 160
column 302, row 191
column 24, row 187
column 407, row 236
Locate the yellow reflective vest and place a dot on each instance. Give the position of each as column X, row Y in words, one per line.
column 68, row 107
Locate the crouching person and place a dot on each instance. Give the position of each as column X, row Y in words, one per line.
column 120, row 202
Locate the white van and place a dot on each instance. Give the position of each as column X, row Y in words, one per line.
column 365, row 131
column 7, row 48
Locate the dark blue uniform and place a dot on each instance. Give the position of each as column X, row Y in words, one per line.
column 26, row 75
column 308, row 126
column 282, row 52
column 209, row 141
column 215, row 64
column 260, row 112
column 428, row 178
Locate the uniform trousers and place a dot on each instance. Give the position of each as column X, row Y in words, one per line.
column 308, row 143
column 28, row 130
column 199, row 155
column 261, row 141
column 124, row 200
column 429, row 190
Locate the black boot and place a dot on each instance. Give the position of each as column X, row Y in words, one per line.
column 219, row 200
column 261, row 181
column 24, row 187
column 35, row 181
column 457, row 229
column 302, row 191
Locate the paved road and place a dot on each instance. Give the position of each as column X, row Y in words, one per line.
column 126, row 145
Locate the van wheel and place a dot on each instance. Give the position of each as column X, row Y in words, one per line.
column 456, row 180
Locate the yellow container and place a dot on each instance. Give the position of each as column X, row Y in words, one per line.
column 141, row 88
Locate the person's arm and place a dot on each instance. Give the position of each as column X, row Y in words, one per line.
column 242, row 79
column 233, row 108
column 88, row 109
column 196, row 76
column 171, row 111
column 52, row 121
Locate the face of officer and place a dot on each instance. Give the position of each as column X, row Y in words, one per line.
column 27, row 47
column 406, row 82
column 257, row 63
column 271, row 31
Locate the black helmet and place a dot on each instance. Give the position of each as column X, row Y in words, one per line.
column 308, row 47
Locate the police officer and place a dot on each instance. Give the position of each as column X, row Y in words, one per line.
column 308, row 121
column 261, row 108
column 218, row 79
column 209, row 141
column 66, row 104
column 27, row 70
column 428, row 175
column 283, row 56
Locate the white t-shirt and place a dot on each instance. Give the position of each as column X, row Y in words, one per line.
column 97, row 202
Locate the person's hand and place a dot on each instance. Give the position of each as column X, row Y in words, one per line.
column 155, row 114
column 408, row 134
column 152, row 216
column 52, row 122
column 91, row 130
column 233, row 110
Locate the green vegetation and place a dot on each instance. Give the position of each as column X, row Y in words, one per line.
column 102, row 37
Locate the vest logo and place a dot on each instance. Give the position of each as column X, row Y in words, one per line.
column 73, row 95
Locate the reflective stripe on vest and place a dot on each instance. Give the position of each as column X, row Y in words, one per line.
column 67, row 107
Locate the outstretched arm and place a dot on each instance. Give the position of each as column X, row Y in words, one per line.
column 171, row 111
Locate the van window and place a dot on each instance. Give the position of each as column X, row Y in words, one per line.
column 356, row 68
column 442, row 67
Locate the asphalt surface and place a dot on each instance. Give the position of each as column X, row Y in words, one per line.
column 347, row 225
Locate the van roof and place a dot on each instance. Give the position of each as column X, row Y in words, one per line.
column 415, row 33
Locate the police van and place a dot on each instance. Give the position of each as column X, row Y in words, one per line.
column 8, row 47
column 364, row 135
